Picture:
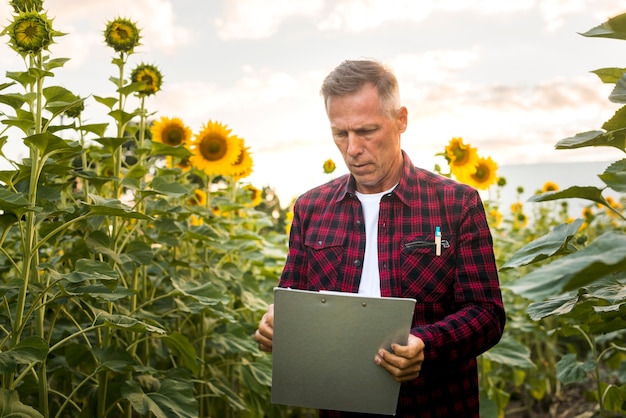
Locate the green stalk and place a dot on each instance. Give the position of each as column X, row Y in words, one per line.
column 596, row 371
column 31, row 258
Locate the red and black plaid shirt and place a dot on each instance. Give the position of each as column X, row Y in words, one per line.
column 459, row 312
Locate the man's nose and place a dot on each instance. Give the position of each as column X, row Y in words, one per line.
column 355, row 144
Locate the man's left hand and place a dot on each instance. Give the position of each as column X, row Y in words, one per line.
column 404, row 362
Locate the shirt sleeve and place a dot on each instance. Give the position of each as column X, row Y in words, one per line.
column 294, row 272
column 478, row 319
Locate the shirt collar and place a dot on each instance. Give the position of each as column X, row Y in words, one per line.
column 404, row 190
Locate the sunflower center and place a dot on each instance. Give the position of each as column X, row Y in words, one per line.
column 213, row 147
column 173, row 137
column 122, row 33
column 481, row 173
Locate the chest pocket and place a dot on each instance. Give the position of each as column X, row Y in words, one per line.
column 325, row 252
column 426, row 276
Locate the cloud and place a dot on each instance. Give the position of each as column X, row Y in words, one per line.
column 155, row 18
column 253, row 19
column 357, row 15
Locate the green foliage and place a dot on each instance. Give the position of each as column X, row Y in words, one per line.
column 121, row 295
column 575, row 274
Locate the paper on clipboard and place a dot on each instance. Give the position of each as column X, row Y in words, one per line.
column 324, row 346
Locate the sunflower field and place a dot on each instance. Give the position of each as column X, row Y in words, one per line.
column 136, row 261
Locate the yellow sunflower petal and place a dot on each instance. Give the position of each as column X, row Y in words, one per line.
column 461, row 158
column 170, row 131
column 243, row 166
column 214, row 149
column 485, row 174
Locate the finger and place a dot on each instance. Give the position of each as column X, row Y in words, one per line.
column 414, row 348
column 399, row 368
column 265, row 344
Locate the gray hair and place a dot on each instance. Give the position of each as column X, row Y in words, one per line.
column 351, row 75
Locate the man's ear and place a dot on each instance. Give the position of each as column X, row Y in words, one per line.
column 402, row 119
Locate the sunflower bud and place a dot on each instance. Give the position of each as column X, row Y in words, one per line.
column 27, row 5
column 30, row 32
column 122, row 35
column 148, row 74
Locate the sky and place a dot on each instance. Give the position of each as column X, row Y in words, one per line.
column 511, row 77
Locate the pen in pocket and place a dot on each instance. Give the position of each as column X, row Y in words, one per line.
column 425, row 244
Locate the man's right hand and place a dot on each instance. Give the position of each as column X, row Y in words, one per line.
column 265, row 334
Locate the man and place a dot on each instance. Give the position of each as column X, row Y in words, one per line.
column 373, row 232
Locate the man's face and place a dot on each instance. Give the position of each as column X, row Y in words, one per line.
column 368, row 140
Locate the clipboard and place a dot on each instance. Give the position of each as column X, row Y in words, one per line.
column 324, row 346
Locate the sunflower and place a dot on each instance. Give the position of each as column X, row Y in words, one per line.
column 27, row 5
column 256, row 195
column 549, row 186
column 461, row 158
column 288, row 221
column 122, row 35
column 483, row 177
column 495, row 217
column 243, row 166
column 199, row 198
column 214, row 150
column 149, row 74
column 517, row 207
column 30, row 32
column 329, row 166
column 182, row 163
column 170, row 131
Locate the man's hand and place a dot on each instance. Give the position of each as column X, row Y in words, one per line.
column 405, row 361
column 265, row 334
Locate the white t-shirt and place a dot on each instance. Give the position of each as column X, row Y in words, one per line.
column 370, row 278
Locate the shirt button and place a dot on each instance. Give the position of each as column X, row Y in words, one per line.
column 358, row 223
column 319, row 243
column 357, row 263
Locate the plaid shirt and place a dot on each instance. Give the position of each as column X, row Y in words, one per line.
column 459, row 312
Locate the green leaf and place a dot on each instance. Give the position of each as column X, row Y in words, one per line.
column 140, row 252
column 22, row 77
column 11, row 406
column 511, row 353
column 204, row 292
column 618, row 95
column 98, row 291
column 559, row 305
column 553, row 243
column 581, row 192
column 167, row 188
column 14, row 202
column 179, row 151
column 174, row 398
column 614, row 397
column 121, row 116
column 181, row 347
column 95, row 128
column 569, row 370
column 31, row 349
column 87, row 270
column 618, row 121
column 55, row 63
column 127, row 323
column 605, row 255
column 614, row 28
column 113, row 207
column 114, row 358
column 594, row 139
column 609, row 75
column 615, row 176
column 14, row 100
column 112, row 144
column 107, row 101
column 48, row 144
